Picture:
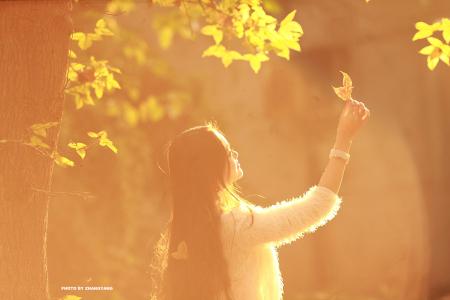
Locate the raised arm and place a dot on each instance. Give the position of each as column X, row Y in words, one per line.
column 288, row 220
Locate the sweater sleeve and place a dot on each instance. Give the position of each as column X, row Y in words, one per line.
column 285, row 221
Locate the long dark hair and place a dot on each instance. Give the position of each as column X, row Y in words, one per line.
column 188, row 260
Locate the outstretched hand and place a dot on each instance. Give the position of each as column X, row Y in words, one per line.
column 354, row 115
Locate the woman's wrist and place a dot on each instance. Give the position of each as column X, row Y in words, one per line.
column 343, row 143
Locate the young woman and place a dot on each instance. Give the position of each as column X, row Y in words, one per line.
column 219, row 246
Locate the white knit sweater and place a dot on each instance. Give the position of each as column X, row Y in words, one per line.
column 251, row 249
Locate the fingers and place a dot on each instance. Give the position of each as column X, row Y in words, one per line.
column 366, row 115
column 355, row 108
column 360, row 110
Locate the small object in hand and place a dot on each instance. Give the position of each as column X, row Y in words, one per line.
column 345, row 91
column 181, row 252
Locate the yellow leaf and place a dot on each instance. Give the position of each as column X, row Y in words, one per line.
column 62, row 160
column 164, row 3
column 151, row 110
column 427, row 50
column 272, row 6
column 445, row 27
column 214, row 50
column 41, row 128
column 81, row 153
column 78, row 102
column 214, row 31
column 80, row 148
column 344, row 92
column 446, row 35
column 100, row 23
column 122, row 6
column 111, row 83
column 445, row 58
column 422, row 25
column 432, row 62
column 102, row 133
column 72, row 54
column 84, row 40
column 284, row 53
column 92, row 134
column 229, row 56
column 77, row 66
column 165, row 36
column 130, row 114
column 435, row 42
column 288, row 18
column 346, row 80
column 74, row 145
column 239, row 29
column 77, row 36
column 103, row 139
column 255, row 60
column 291, row 26
column 422, row 34
column 244, row 12
column 37, row 142
column 111, row 146
column 98, row 89
column 181, row 252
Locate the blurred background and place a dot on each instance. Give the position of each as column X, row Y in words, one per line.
column 390, row 239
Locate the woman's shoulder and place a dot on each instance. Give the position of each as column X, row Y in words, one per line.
column 241, row 213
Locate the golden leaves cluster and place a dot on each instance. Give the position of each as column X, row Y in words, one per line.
column 37, row 138
column 246, row 21
column 91, row 78
column 438, row 49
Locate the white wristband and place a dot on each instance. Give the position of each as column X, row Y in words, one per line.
column 339, row 154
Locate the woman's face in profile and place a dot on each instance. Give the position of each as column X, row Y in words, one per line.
column 236, row 172
column 235, row 166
